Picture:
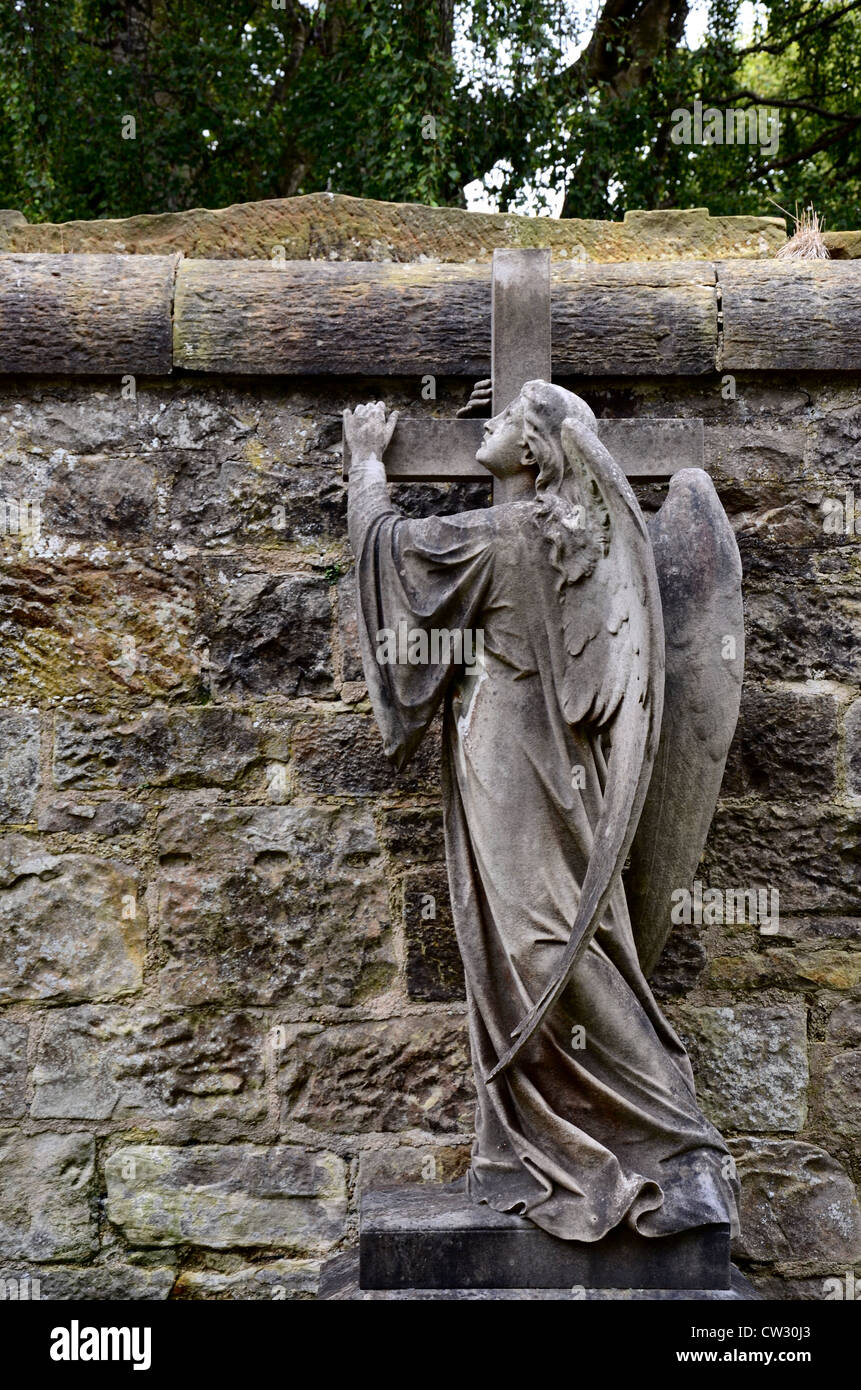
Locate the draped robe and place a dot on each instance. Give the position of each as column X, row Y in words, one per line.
column 596, row 1122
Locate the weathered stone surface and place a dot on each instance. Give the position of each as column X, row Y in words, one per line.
column 47, row 1207
column 13, row 1067
column 769, row 316
column 348, row 634
column 135, row 1283
column 273, row 904
column 216, row 501
column 73, row 926
column 852, row 734
column 333, row 226
column 282, row 1280
column 92, row 314
column 413, row 835
column 253, row 318
column 785, row 746
column 209, row 746
column 841, row 1095
column 88, row 624
column 19, row 763
column 844, row 1025
column 738, row 456
column 268, row 633
column 396, row 1074
column 139, row 1064
column 434, row 968
column 786, row 969
column 342, row 754
column 750, row 1063
column 74, row 817
column 101, row 498
column 381, row 1168
column 682, row 961
column 810, row 855
column 797, row 1203
column 801, row 631
column 225, row 1196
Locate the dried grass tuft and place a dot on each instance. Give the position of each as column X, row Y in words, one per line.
column 807, row 242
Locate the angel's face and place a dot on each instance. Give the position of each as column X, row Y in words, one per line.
column 501, row 450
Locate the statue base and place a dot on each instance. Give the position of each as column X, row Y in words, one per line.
column 433, row 1237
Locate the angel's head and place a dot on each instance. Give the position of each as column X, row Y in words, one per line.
column 528, row 434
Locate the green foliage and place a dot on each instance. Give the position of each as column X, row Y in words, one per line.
column 237, row 100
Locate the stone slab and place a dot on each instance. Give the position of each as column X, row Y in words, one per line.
column 339, row 1282
column 433, row 1237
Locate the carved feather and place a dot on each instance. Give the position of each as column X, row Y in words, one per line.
column 699, row 573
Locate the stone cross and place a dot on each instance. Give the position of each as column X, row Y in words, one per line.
column 437, row 450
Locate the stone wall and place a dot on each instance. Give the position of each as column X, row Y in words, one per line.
column 223, row 1011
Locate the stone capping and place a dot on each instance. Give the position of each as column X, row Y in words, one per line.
column 112, row 315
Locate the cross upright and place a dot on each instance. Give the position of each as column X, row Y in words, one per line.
column 443, row 450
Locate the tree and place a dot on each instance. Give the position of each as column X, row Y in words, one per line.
column 112, row 107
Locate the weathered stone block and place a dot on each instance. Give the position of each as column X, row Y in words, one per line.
column 215, row 501
column 98, row 625
column 227, row 1195
column 133, row 1283
column 682, row 961
column 797, row 1203
column 269, row 633
column 209, row 746
column 141, row 1064
column 786, row 969
column 844, row 1025
column 852, row 734
column 841, row 1093
column 793, row 630
column 46, row 1200
column 785, row 746
column 72, row 926
column 434, row 967
column 396, row 1074
column 72, row 817
column 273, row 904
column 13, row 1067
column 19, row 763
column 105, row 498
column 348, row 631
column 282, row 1280
column 342, row 754
column 809, row 854
column 381, row 1168
column 750, row 1063
column 413, row 834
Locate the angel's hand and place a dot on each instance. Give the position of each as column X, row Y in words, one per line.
column 368, row 430
column 481, row 400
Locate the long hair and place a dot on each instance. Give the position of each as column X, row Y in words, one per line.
column 561, row 509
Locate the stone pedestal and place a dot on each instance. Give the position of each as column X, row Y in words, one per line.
column 433, row 1237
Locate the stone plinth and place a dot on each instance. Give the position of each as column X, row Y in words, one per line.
column 433, row 1237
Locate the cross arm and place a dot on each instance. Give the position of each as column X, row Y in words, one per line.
column 443, row 450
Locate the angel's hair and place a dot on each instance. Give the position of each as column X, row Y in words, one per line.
column 545, row 409
column 558, row 509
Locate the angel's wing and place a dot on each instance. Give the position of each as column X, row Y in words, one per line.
column 699, row 572
column 614, row 681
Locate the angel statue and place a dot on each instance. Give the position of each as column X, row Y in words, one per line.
column 592, row 728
